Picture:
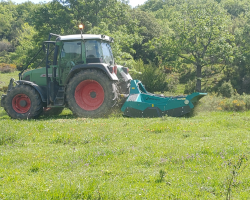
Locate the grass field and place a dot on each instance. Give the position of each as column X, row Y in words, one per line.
column 64, row 157
column 203, row 157
column 5, row 78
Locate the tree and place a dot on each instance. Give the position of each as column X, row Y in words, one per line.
column 200, row 36
column 239, row 74
column 148, row 28
column 26, row 44
column 235, row 7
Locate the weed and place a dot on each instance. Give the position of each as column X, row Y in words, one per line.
column 34, row 169
column 7, row 138
column 162, row 174
column 236, row 170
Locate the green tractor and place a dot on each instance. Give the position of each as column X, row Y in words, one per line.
column 80, row 73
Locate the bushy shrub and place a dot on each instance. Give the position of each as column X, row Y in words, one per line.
column 7, row 68
column 151, row 76
column 213, row 102
column 190, row 87
column 232, row 105
column 226, row 89
column 172, row 81
column 235, row 103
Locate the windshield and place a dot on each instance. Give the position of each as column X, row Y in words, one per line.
column 98, row 51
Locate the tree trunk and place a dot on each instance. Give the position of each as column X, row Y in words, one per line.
column 198, row 80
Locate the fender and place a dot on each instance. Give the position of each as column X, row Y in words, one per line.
column 100, row 66
column 41, row 92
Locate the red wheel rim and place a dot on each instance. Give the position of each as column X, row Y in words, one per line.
column 21, row 103
column 89, row 95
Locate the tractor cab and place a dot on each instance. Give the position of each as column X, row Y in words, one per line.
column 83, row 49
column 69, row 51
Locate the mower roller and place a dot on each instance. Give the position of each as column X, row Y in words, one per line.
column 79, row 72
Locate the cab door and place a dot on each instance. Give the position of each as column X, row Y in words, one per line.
column 71, row 54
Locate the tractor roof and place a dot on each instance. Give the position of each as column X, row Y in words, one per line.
column 85, row 37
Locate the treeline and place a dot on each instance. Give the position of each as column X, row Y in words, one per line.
column 195, row 39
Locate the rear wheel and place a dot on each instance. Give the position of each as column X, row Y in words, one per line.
column 23, row 102
column 90, row 93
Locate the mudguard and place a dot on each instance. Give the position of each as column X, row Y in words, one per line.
column 35, row 86
column 100, row 66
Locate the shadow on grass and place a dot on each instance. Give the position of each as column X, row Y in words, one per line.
column 66, row 114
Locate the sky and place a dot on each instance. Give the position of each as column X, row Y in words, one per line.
column 133, row 3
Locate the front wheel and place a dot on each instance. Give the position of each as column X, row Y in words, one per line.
column 90, row 93
column 23, row 102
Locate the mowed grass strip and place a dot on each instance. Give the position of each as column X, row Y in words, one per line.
column 64, row 157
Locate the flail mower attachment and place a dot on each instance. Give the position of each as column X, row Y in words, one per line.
column 141, row 103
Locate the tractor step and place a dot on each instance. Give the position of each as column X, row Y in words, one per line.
column 60, row 99
column 141, row 103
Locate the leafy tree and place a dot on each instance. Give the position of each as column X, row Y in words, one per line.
column 96, row 11
column 235, row 7
column 239, row 74
column 26, row 44
column 152, row 5
column 6, row 21
column 148, row 28
column 25, row 12
column 200, row 36
column 54, row 18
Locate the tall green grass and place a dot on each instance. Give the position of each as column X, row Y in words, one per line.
column 125, row 158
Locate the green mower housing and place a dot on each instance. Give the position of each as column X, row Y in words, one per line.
column 141, row 103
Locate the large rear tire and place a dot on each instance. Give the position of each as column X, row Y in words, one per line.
column 23, row 102
column 90, row 93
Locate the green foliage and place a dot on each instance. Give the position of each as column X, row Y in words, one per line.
column 148, row 28
column 190, row 87
column 151, row 76
column 26, row 45
column 6, row 20
column 200, row 35
column 197, row 33
column 226, row 89
column 172, row 82
column 235, row 7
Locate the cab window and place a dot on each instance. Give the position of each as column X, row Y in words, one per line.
column 71, row 51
